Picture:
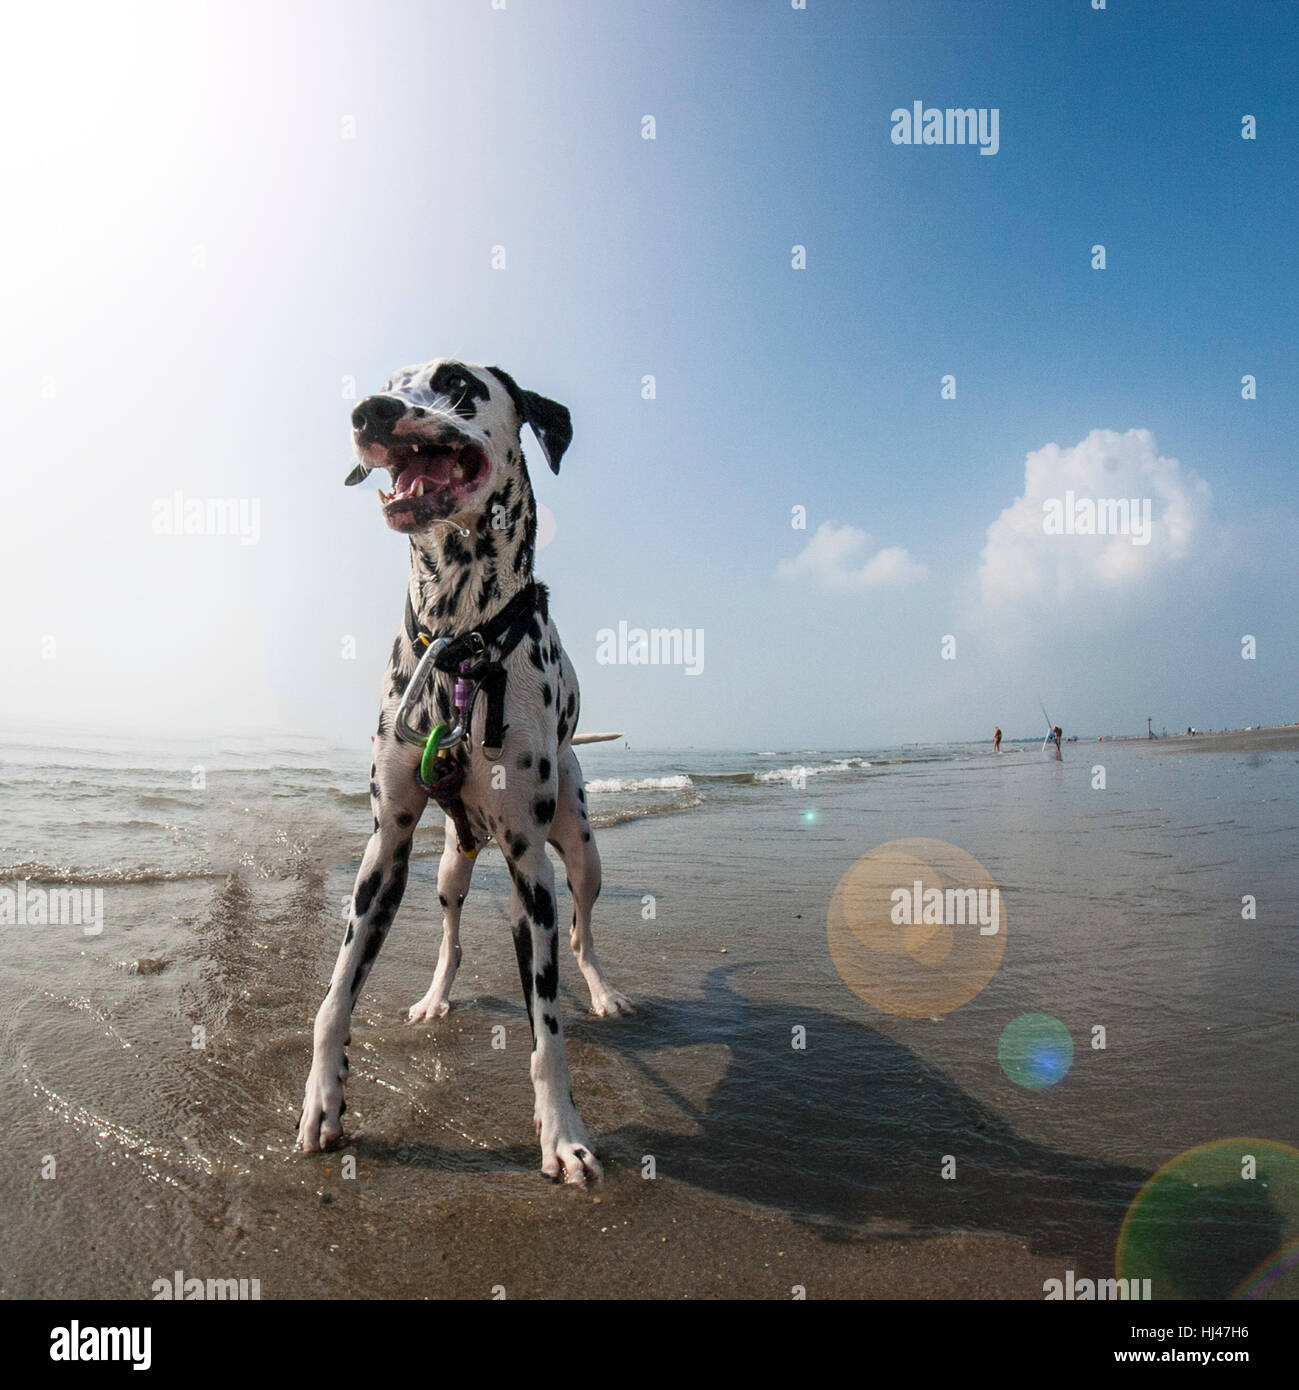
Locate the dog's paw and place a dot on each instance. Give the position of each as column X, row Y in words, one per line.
column 608, row 1003
column 321, row 1124
column 566, row 1153
column 433, row 1005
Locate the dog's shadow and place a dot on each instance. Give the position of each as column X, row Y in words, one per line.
column 852, row 1131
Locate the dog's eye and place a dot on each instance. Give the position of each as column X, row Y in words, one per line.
column 455, row 382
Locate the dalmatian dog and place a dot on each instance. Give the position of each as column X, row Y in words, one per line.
column 448, row 433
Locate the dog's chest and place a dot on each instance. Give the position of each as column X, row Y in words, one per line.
column 516, row 793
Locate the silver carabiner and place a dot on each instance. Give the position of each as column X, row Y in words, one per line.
column 415, row 687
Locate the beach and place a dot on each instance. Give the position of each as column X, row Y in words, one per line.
column 765, row 1132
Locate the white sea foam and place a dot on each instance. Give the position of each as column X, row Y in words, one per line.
column 678, row 783
column 788, row 774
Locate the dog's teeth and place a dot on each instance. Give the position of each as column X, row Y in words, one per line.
column 419, row 488
column 457, row 472
column 384, row 497
column 414, row 448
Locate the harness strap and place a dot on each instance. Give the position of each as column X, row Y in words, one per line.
column 505, row 630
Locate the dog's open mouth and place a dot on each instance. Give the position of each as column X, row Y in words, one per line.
column 429, row 480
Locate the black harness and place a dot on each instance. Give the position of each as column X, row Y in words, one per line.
column 469, row 658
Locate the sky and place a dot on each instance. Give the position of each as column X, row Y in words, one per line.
column 226, row 223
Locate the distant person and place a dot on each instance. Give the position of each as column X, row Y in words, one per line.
column 996, row 739
column 1057, row 734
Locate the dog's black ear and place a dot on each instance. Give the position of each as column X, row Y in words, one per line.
column 550, row 421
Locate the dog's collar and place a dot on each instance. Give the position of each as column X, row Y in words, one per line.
column 505, row 627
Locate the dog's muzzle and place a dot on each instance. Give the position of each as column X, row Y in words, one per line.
column 434, row 466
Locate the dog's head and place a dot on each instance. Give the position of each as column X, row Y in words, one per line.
column 448, row 433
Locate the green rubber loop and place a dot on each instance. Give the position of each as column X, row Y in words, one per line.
column 430, row 753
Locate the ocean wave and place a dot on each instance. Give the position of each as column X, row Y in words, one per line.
column 778, row 775
column 791, row 774
column 33, row 871
column 605, row 785
column 602, row 820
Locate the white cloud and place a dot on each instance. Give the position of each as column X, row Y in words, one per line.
column 1021, row 560
column 836, row 559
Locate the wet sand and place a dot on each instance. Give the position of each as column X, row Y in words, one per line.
column 774, row 1168
column 1282, row 739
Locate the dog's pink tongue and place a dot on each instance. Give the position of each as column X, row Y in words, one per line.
column 434, row 473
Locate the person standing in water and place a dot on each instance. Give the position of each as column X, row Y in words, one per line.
column 996, row 739
column 1057, row 734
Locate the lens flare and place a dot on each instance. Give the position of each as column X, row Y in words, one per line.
column 1035, row 1051
column 1220, row 1221
column 916, row 928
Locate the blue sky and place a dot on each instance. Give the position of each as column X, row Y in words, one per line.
column 230, row 211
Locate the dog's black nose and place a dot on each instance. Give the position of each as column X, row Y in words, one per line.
column 376, row 415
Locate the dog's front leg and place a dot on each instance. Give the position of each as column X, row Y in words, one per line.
column 397, row 801
column 565, row 1146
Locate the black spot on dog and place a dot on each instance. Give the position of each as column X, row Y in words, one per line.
column 581, row 795
column 543, row 809
column 586, row 835
column 525, row 761
column 365, row 892
column 572, row 704
column 548, row 980
column 462, row 387
column 543, row 770
column 534, row 656
column 442, row 898
column 547, row 698
column 523, row 953
column 489, row 589
column 374, row 790
column 405, row 819
column 551, row 1022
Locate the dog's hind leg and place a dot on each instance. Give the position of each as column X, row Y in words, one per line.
column 454, row 872
column 397, row 801
column 572, row 836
